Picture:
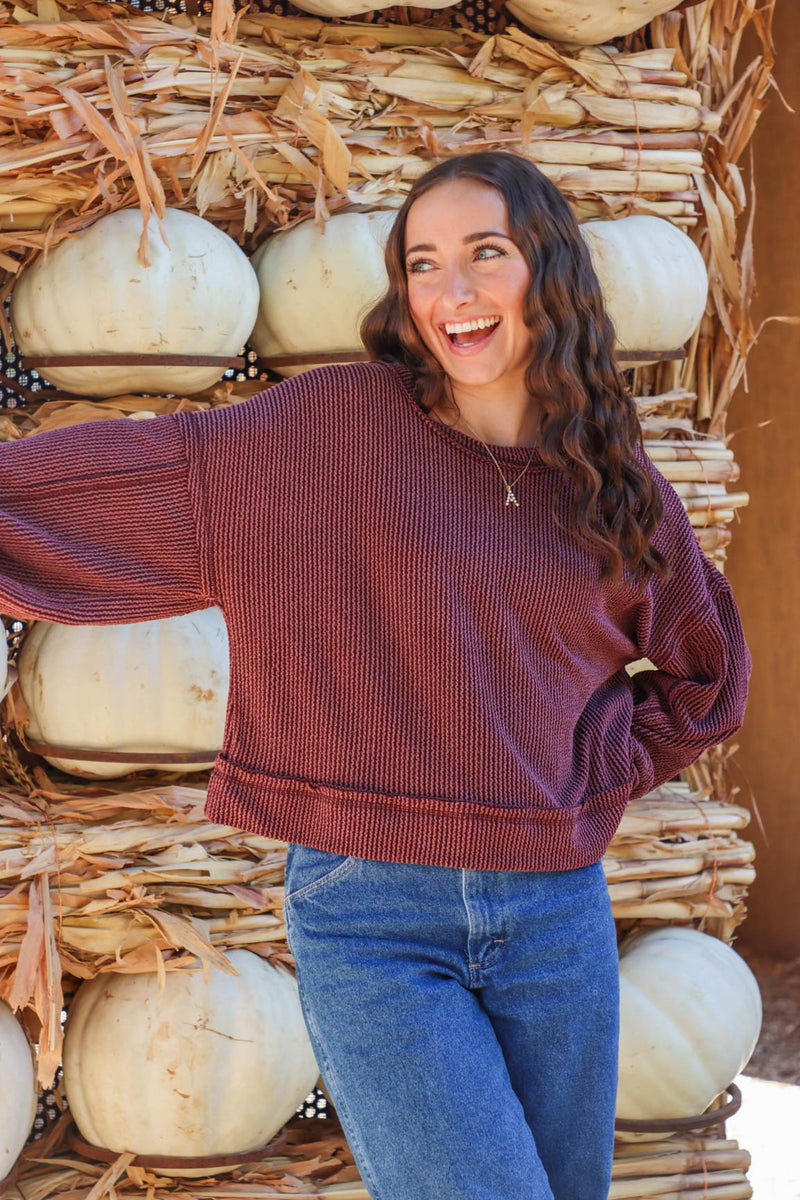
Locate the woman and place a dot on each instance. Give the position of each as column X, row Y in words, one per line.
column 434, row 568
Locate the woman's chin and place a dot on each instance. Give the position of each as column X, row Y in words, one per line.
column 473, row 374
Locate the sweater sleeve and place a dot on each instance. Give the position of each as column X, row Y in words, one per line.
column 96, row 525
column 689, row 628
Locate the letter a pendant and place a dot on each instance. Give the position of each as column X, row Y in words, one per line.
column 511, row 498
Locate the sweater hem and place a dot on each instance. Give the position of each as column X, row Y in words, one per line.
column 418, row 830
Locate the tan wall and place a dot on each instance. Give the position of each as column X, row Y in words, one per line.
column 764, row 557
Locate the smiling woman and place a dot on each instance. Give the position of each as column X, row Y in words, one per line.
column 434, row 568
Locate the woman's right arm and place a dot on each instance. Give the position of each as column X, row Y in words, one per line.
column 97, row 525
column 690, row 629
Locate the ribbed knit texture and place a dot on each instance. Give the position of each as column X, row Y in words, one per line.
column 418, row 672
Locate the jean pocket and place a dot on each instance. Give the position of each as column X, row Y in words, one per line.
column 308, row 870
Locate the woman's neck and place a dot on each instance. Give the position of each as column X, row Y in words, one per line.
column 498, row 421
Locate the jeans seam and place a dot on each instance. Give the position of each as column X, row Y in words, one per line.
column 498, row 942
column 470, row 965
column 475, row 967
column 337, row 872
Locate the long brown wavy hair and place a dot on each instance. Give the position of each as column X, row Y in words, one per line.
column 589, row 427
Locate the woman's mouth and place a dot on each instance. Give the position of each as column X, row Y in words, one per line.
column 466, row 334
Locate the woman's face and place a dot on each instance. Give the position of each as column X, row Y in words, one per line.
column 467, row 282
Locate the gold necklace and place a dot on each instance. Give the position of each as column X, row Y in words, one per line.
column 510, row 497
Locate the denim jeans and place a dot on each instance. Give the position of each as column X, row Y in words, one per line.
column 465, row 1023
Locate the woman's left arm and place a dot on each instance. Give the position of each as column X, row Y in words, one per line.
column 689, row 628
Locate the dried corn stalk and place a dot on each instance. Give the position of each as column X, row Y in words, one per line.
column 701, row 469
column 294, row 116
column 707, row 39
column 49, row 409
column 677, row 856
column 310, row 1160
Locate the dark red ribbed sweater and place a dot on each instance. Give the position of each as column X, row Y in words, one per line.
column 418, row 672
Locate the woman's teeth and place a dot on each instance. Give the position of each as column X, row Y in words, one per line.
column 452, row 327
column 458, row 331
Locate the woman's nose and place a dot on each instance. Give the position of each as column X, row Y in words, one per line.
column 458, row 284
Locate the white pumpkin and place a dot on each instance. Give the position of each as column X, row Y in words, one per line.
column 316, row 285
column 653, row 279
column 18, row 1095
column 690, row 1015
column 155, row 686
column 91, row 295
column 210, row 1068
column 588, row 22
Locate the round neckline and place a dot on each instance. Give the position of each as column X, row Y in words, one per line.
column 513, row 456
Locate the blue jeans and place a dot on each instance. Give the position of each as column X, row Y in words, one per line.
column 465, row 1023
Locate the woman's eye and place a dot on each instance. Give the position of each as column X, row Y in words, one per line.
column 419, row 266
column 486, row 251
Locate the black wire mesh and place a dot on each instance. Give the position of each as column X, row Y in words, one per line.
column 49, row 1107
column 52, row 1102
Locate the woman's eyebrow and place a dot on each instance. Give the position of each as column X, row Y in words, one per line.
column 471, row 237
column 478, row 237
